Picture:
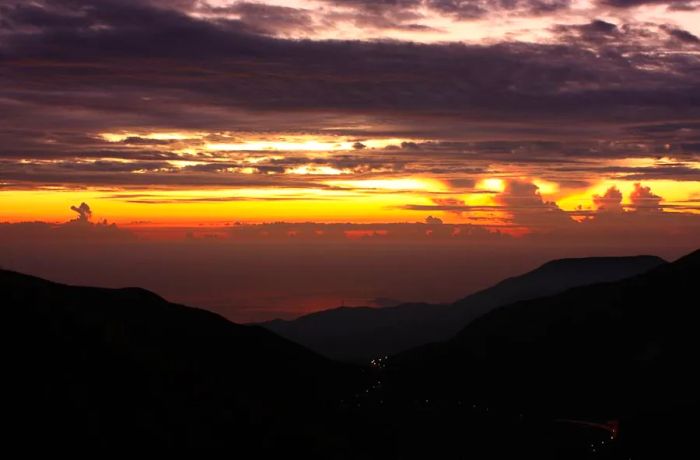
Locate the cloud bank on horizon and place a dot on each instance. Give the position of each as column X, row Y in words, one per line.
column 518, row 117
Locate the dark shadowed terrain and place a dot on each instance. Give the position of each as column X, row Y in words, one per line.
column 360, row 334
column 624, row 351
column 599, row 371
column 125, row 367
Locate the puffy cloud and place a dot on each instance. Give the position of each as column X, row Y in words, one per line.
column 643, row 200
column 610, row 201
column 528, row 209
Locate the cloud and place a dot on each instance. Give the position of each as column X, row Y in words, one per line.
column 380, row 232
column 84, row 212
column 474, row 9
column 430, row 220
column 75, row 231
column 683, row 35
column 451, row 205
column 378, row 14
column 457, row 9
column 92, row 67
column 611, row 201
column 680, row 4
column 521, row 81
column 523, row 200
column 266, row 19
column 643, row 200
column 564, row 108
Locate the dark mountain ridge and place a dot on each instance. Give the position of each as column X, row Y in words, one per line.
column 359, row 334
column 625, row 351
column 95, row 367
column 120, row 369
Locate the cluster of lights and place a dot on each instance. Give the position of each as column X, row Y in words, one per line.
column 379, row 363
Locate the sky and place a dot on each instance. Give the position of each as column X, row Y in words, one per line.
column 310, row 149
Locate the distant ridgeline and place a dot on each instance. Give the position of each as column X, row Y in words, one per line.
column 361, row 334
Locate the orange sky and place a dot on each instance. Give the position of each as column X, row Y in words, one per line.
column 320, row 188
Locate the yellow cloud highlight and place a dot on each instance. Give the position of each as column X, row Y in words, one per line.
column 316, row 170
column 289, row 146
column 493, row 184
column 192, row 142
column 546, row 187
column 399, row 184
column 671, row 192
column 303, row 144
column 193, row 207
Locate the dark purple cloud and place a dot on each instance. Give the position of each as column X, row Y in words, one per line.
column 676, row 4
column 460, row 9
column 74, row 231
column 72, row 69
column 84, row 212
column 472, row 9
column 266, row 19
column 451, row 79
column 683, row 35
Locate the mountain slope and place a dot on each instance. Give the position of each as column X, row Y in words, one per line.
column 626, row 350
column 362, row 333
column 95, row 367
column 122, row 369
column 551, row 376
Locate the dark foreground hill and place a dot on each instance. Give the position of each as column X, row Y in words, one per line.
column 602, row 371
column 123, row 367
column 360, row 334
column 626, row 351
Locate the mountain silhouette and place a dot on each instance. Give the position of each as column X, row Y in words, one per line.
column 359, row 334
column 124, row 367
column 605, row 370
column 624, row 351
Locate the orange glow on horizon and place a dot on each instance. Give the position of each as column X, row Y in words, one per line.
column 355, row 200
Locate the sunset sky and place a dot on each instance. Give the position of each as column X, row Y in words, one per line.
column 542, row 123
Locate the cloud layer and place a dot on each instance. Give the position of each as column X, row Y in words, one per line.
column 132, row 96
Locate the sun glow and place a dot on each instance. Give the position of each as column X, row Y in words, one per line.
column 491, row 184
column 672, row 192
column 546, row 187
column 403, row 184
